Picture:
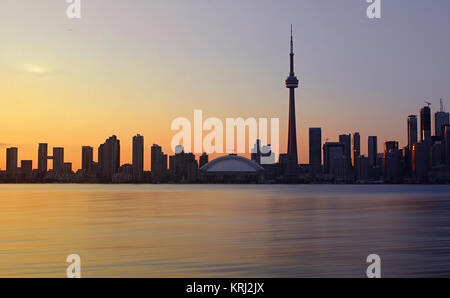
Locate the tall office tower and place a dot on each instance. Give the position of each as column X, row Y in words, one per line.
column 420, row 157
column 356, row 147
column 11, row 160
column 392, row 162
column 158, row 164
column 109, row 157
column 138, row 157
column 58, row 159
column 43, row 158
column 362, row 169
column 425, row 124
column 446, row 137
column 331, row 153
column 347, row 141
column 292, row 84
column 373, row 150
column 204, row 159
column 87, row 157
column 315, row 151
column 412, row 131
column 441, row 118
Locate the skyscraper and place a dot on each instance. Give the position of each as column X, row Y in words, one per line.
column 446, row 138
column 392, row 162
column 87, row 157
column 373, row 150
column 58, row 159
column 11, row 160
column 441, row 118
column 109, row 157
column 356, row 147
column 138, row 157
column 425, row 124
column 43, row 158
column 420, row 161
column 292, row 84
column 315, row 151
column 412, row 131
column 347, row 141
column 158, row 164
column 331, row 153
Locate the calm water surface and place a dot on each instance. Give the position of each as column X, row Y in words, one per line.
column 223, row 230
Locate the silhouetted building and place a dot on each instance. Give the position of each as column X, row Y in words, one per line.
column 362, row 169
column 291, row 160
column 43, row 158
column 11, row 160
column 204, row 159
column 183, row 168
column 412, row 131
column 446, row 139
column 331, row 152
column 67, row 168
column 347, row 141
column 340, row 169
column 373, row 150
column 392, row 162
column 440, row 119
column 138, row 157
column 315, row 151
column 109, row 157
column 437, row 151
column 420, row 161
column 425, row 124
column 87, row 158
column 356, row 147
column 26, row 167
column 58, row 159
column 124, row 174
column 158, row 164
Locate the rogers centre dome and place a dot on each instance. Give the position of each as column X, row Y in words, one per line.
column 232, row 169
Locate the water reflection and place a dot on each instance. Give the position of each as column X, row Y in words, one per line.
column 224, row 231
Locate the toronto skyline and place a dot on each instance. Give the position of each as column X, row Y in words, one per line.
column 71, row 88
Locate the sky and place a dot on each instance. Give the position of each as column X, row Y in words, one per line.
column 129, row 67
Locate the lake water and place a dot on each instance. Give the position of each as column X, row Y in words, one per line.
column 224, row 230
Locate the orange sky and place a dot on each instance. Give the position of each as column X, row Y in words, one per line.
column 126, row 69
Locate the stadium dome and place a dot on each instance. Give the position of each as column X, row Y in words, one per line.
column 232, row 169
column 232, row 163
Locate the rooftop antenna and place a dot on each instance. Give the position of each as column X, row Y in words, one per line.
column 442, row 106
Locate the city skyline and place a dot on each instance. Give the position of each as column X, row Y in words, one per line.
column 71, row 97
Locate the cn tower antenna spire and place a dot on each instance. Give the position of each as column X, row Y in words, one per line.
column 292, row 41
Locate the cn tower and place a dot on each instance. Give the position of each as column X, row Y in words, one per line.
column 292, row 84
